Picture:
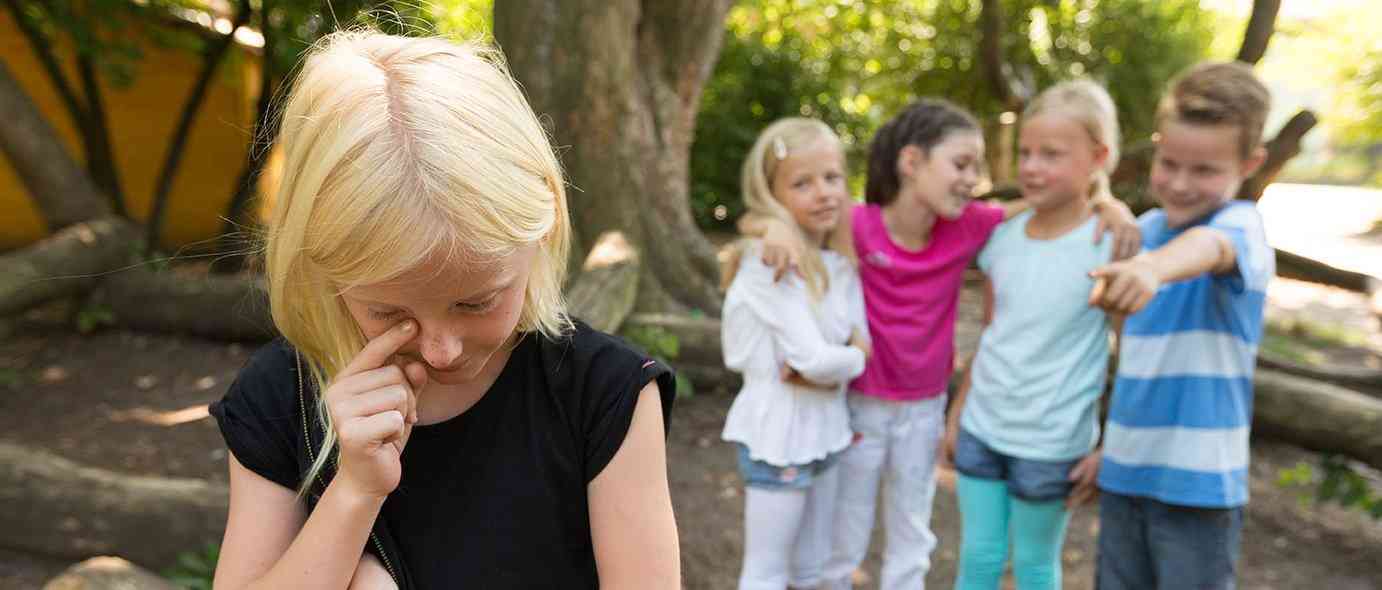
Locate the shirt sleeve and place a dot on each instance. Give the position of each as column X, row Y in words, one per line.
column 1254, row 259
column 785, row 308
column 615, row 377
column 986, row 219
column 259, row 418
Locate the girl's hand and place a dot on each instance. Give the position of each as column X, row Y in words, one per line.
column 373, row 405
column 1116, row 218
column 861, row 341
column 945, row 453
column 1085, row 474
column 791, row 376
column 781, row 249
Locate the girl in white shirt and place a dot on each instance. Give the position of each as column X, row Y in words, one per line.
column 797, row 341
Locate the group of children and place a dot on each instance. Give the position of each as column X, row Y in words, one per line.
column 841, row 319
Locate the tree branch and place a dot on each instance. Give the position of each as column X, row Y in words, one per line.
column 100, row 156
column 43, row 50
column 211, row 59
column 63, row 193
column 1259, row 31
column 1280, row 150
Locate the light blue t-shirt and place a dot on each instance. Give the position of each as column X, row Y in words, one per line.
column 1042, row 361
column 1182, row 403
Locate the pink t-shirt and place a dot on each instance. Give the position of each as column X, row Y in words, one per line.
column 910, row 299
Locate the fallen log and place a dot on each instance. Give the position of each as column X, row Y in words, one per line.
column 67, row 263
column 210, row 306
column 1363, row 380
column 1295, row 266
column 59, row 508
column 1318, row 416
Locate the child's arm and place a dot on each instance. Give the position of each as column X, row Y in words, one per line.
column 1085, row 474
column 632, row 529
column 1116, row 218
column 957, row 406
column 1126, row 287
column 781, row 249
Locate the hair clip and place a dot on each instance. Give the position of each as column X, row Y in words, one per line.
column 779, row 148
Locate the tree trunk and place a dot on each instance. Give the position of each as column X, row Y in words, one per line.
column 63, row 193
column 1318, row 416
column 605, row 291
column 60, row 508
column 68, row 263
column 621, row 83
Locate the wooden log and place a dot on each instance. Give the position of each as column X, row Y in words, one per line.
column 210, row 306
column 1363, row 380
column 107, row 573
column 1295, row 266
column 67, row 263
column 1318, row 416
column 59, row 508
column 605, row 291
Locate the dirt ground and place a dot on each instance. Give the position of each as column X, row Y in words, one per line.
column 136, row 403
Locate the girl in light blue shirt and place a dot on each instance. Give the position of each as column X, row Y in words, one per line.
column 1024, row 425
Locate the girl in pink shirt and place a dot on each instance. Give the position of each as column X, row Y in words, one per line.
column 915, row 236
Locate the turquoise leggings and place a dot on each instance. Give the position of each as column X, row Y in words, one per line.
column 988, row 514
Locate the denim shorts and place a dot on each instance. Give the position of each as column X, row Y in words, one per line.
column 760, row 474
column 1028, row 479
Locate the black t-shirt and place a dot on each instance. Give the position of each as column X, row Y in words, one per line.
column 493, row 498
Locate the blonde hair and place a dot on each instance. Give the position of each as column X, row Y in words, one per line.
column 1220, row 93
column 1088, row 104
column 776, row 143
column 399, row 150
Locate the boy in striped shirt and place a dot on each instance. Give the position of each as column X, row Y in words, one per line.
column 1174, row 473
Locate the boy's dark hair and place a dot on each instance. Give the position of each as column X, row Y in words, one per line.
column 1220, row 93
column 924, row 124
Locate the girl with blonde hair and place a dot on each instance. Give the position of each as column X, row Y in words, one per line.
column 797, row 342
column 430, row 416
column 1023, row 429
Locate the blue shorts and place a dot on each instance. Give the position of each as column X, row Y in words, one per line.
column 1028, row 479
column 760, row 474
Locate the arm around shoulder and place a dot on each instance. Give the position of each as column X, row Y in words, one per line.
column 631, row 523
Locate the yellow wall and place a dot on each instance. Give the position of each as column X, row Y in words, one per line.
column 142, row 117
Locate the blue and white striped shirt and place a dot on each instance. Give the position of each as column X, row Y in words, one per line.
column 1182, row 404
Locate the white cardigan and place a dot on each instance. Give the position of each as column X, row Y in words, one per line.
column 766, row 325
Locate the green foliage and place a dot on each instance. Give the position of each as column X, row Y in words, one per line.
column 853, row 63
column 663, row 345
column 656, row 340
column 11, row 378
column 1339, row 481
column 93, row 317
column 195, row 569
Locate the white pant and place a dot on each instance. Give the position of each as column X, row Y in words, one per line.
column 787, row 534
column 897, row 443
